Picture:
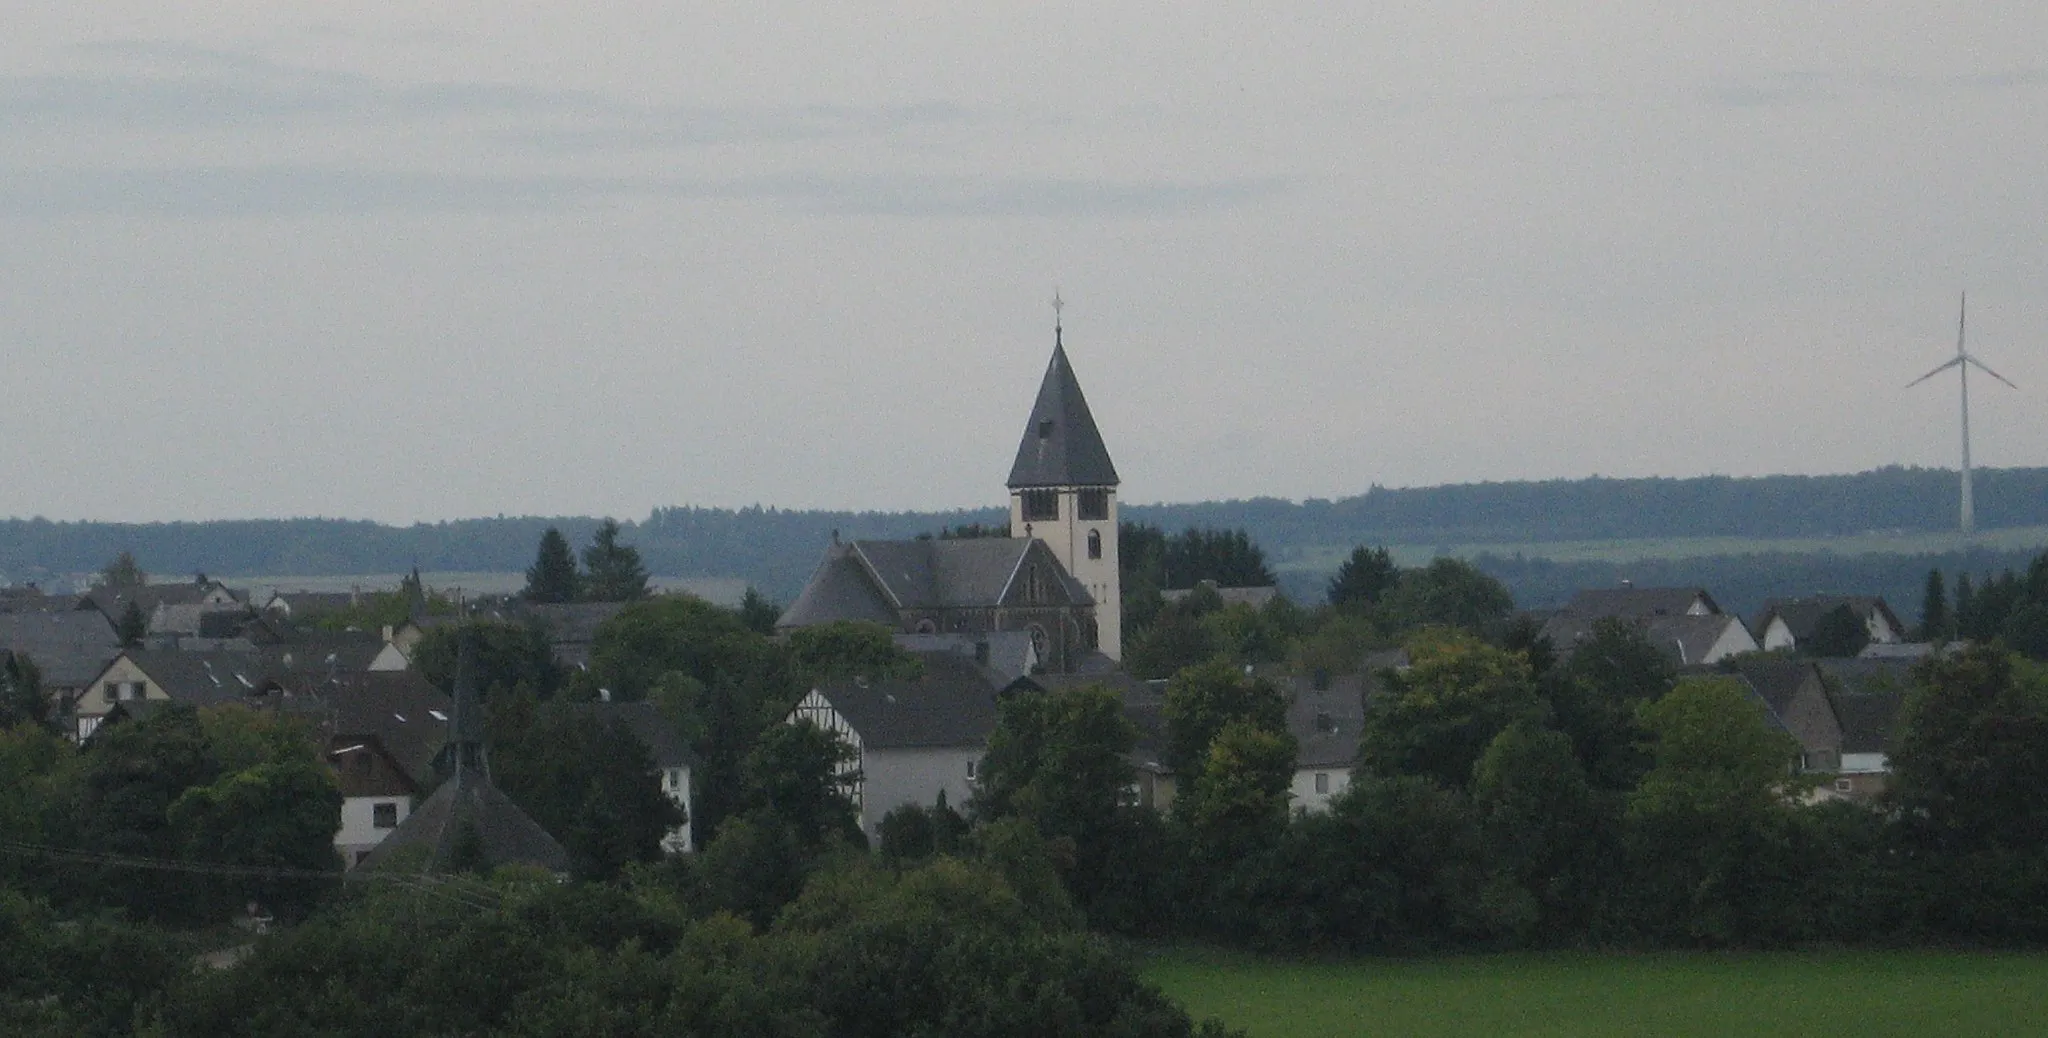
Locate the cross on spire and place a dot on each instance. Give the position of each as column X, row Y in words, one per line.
column 1058, row 305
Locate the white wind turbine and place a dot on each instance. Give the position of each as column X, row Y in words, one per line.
column 1961, row 363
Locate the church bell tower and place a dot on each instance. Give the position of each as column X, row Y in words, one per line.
column 1063, row 492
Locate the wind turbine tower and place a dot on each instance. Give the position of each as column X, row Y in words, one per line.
column 1961, row 362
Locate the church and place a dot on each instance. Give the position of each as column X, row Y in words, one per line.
column 1054, row 578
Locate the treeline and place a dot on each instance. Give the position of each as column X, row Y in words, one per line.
column 775, row 549
column 1741, row 583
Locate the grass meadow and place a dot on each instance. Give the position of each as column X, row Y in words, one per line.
column 1868, row 994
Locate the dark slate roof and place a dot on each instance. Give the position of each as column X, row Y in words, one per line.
column 953, row 703
column 32, row 600
column 1802, row 615
column 403, row 711
column 1867, row 720
column 1326, row 723
column 839, row 589
column 971, row 573
column 70, row 648
column 1777, row 681
column 205, row 678
column 1007, row 654
column 1636, row 602
column 508, row 835
column 1685, row 639
column 113, row 601
column 664, row 745
column 322, row 652
column 1061, row 446
column 1144, row 707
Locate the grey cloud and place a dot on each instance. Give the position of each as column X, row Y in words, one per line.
column 161, row 85
column 298, row 190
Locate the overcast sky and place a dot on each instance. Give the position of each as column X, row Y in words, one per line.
column 445, row 259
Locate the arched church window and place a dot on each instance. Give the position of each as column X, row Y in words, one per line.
column 1040, row 644
column 1095, row 544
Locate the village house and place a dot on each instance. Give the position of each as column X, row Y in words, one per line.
column 1783, row 623
column 912, row 739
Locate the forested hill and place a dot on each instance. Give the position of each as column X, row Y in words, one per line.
column 775, row 549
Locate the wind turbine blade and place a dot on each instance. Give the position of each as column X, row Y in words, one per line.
column 1981, row 366
column 1944, row 367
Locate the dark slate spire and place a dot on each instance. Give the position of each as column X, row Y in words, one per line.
column 466, row 728
column 1061, row 447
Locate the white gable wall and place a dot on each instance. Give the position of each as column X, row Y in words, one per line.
column 1306, row 780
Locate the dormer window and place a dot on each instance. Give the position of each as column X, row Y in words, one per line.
column 1045, row 429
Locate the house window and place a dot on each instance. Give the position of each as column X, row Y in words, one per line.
column 1094, row 543
column 1041, row 504
column 1094, row 504
column 675, row 778
column 384, row 815
column 1323, row 782
column 970, row 770
column 1844, row 786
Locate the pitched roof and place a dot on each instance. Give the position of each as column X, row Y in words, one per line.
column 1144, row 706
column 1691, row 639
column 1061, row 446
column 1009, row 655
column 1777, row 681
column 70, row 648
column 664, row 745
column 1326, row 722
column 1637, row 602
column 953, row 703
column 839, row 589
column 402, row 710
column 873, row 580
column 1803, row 615
column 1867, row 720
column 205, row 678
column 506, row 834
column 970, row 573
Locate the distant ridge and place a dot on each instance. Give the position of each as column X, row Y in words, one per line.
column 776, row 548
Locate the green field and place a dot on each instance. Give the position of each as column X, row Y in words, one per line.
column 1864, row 994
column 1324, row 559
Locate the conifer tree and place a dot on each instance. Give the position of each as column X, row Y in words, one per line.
column 612, row 571
column 552, row 578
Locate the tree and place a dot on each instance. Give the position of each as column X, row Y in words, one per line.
column 1436, row 718
column 1544, row 823
column 1838, row 634
column 22, row 701
column 1364, row 579
column 552, row 578
column 757, row 613
column 1237, row 799
column 612, row 571
column 1448, row 592
column 123, row 572
column 590, row 783
column 504, row 656
column 1595, row 695
column 798, row 773
column 850, row 648
column 1056, row 760
column 133, row 626
column 1970, row 757
column 1707, row 822
column 1935, row 625
column 1201, row 700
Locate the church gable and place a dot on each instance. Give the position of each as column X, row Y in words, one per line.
column 1039, row 580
